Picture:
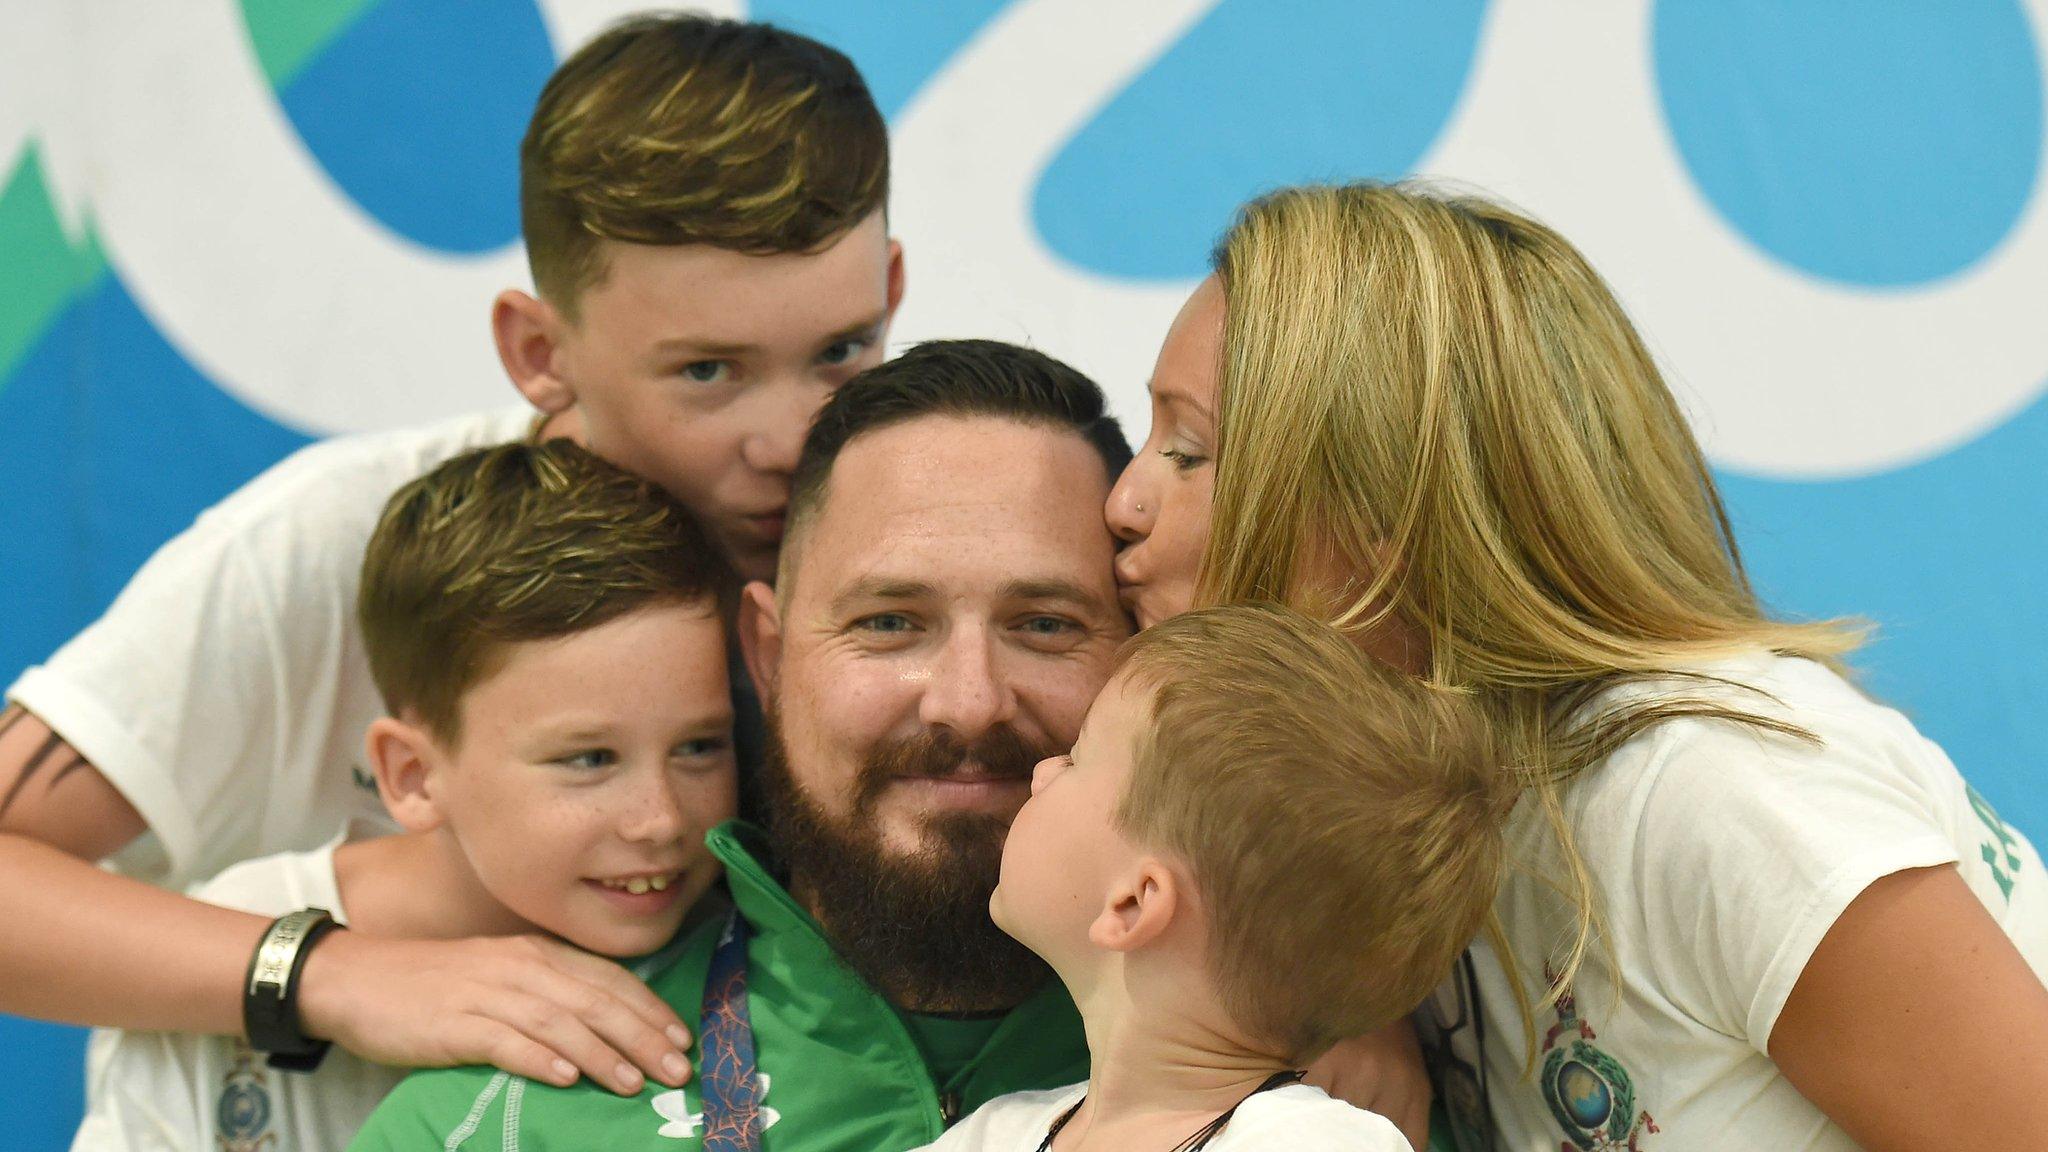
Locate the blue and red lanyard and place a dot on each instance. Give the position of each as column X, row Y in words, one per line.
column 728, row 1079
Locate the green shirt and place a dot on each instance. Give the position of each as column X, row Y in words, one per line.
column 950, row 1045
column 842, row 1069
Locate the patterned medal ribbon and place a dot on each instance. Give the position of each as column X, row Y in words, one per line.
column 728, row 1078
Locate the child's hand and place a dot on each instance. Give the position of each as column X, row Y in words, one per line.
column 1381, row 1072
column 532, row 1006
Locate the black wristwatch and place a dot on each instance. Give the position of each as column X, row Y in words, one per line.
column 270, row 996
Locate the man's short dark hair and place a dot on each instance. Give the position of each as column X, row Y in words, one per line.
column 954, row 378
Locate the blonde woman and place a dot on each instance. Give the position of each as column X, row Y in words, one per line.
column 1751, row 907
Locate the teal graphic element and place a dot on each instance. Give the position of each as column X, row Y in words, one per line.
column 44, row 269
column 2004, row 862
column 1589, row 1093
column 287, row 34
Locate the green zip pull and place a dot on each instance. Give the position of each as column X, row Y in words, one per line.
column 949, row 1108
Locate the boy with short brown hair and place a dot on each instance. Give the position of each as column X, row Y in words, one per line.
column 548, row 632
column 1261, row 844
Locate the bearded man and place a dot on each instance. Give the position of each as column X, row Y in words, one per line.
column 943, row 614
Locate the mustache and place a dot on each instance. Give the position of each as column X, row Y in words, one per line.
column 1000, row 753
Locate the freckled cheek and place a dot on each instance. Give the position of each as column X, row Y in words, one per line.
column 710, row 801
column 858, row 701
column 832, row 718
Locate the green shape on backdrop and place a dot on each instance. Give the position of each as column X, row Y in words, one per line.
column 43, row 269
column 287, row 34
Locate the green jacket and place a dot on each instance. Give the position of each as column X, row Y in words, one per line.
column 842, row 1070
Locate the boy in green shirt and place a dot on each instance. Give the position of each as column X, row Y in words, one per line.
column 547, row 631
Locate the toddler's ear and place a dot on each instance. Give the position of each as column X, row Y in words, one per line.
column 402, row 756
column 1139, row 908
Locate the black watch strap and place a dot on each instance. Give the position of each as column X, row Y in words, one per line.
column 270, row 995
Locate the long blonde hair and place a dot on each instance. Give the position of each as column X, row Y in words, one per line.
column 1446, row 396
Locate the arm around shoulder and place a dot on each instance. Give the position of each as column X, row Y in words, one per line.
column 107, row 950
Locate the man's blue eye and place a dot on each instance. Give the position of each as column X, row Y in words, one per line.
column 1047, row 625
column 886, row 622
column 706, row 371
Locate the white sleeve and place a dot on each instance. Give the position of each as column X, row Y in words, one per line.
column 170, row 693
column 180, row 694
column 1750, row 847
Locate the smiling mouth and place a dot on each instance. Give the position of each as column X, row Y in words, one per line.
column 643, row 884
column 969, row 791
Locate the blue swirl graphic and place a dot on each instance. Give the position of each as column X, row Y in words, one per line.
column 1882, row 144
column 1257, row 95
column 416, row 110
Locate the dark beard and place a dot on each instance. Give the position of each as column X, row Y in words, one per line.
column 915, row 927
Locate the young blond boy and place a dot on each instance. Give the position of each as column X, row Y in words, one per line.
column 703, row 207
column 1262, row 843
column 548, row 633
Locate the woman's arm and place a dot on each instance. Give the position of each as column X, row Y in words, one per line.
column 1916, row 1024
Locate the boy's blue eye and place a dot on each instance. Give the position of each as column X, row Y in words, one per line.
column 592, row 759
column 843, row 351
column 706, row 371
column 1047, row 625
column 694, row 749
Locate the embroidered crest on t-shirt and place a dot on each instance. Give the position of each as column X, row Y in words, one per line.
column 242, row 1116
column 1589, row 1092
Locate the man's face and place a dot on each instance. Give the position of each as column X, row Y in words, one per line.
column 955, row 584
column 949, row 616
column 700, row 368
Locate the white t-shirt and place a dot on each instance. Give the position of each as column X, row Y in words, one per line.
column 225, row 693
column 177, row 1092
column 1295, row 1117
column 1722, row 854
